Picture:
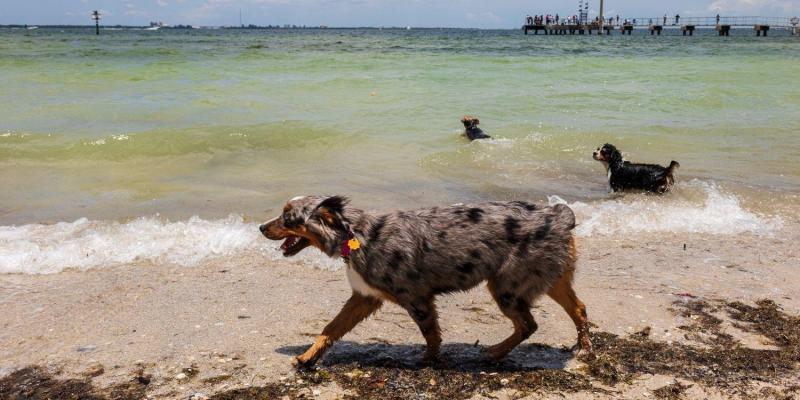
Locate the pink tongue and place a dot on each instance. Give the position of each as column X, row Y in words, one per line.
column 289, row 242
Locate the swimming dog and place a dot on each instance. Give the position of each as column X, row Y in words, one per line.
column 409, row 257
column 624, row 175
column 471, row 130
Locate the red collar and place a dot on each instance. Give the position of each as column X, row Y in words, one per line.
column 345, row 248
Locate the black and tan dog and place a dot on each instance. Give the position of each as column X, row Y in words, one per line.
column 471, row 130
column 624, row 175
column 409, row 257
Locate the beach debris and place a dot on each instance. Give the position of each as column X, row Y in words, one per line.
column 215, row 377
column 673, row 391
column 94, row 370
column 86, row 348
column 644, row 332
column 143, row 379
column 198, row 396
column 181, row 377
column 191, row 371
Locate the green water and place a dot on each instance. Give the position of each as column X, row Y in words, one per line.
column 211, row 122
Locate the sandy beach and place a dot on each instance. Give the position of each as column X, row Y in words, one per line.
column 163, row 331
column 136, row 166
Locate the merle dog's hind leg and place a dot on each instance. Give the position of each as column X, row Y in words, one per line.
column 356, row 309
column 563, row 294
column 517, row 307
column 423, row 312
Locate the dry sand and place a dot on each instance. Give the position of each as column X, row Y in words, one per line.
column 179, row 332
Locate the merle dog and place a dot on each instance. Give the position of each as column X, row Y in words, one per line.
column 409, row 257
column 471, row 130
column 624, row 175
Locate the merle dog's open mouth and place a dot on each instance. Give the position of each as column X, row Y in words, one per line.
column 293, row 244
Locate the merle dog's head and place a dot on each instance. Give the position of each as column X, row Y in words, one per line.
column 607, row 154
column 470, row 122
column 310, row 221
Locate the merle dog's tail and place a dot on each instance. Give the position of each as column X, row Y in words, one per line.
column 565, row 216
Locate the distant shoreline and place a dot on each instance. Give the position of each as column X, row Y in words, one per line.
column 321, row 28
column 253, row 27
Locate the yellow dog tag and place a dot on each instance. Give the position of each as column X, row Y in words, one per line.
column 353, row 244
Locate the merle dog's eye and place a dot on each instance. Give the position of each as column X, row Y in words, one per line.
column 285, row 220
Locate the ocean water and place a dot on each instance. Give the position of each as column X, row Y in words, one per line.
column 169, row 146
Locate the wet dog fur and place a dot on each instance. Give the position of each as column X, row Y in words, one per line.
column 409, row 257
column 471, row 130
column 624, row 175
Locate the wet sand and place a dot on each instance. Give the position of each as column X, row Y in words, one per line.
column 177, row 332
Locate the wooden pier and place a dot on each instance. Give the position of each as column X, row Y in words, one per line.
column 565, row 28
column 723, row 26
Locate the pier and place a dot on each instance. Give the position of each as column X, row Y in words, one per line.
column 655, row 25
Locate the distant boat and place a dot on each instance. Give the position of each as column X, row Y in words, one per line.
column 408, row 28
column 152, row 28
column 30, row 28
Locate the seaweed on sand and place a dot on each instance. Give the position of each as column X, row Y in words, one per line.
column 724, row 364
column 720, row 363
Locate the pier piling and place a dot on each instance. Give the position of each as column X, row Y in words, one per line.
column 655, row 29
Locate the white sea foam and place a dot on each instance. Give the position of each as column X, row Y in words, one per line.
column 85, row 244
column 705, row 208
column 696, row 207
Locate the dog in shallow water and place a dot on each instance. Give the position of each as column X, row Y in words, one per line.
column 471, row 130
column 410, row 257
column 624, row 175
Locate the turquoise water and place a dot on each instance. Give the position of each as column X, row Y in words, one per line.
column 212, row 122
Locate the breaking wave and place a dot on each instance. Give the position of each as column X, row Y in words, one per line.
column 697, row 207
column 85, row 244
column 700, row 207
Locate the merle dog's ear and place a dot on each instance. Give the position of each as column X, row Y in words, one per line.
column 331, row 209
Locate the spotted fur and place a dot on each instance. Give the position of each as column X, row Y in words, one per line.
column 409, row 257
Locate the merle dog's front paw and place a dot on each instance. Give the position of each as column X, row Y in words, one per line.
column 301, row 362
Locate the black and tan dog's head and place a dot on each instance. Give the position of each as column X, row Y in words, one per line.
column 607, row 154
column 309, row 221
column 470, row 122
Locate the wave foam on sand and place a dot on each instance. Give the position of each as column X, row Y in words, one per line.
column 703, row 209
column 85, row 244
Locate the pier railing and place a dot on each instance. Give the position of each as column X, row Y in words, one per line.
column 775, row 22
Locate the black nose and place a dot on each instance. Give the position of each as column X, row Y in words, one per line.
column 263, row 228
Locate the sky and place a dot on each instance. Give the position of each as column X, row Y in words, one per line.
column 349, row 13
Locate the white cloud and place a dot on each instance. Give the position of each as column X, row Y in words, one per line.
column 486, row 16
column 162, row 3
column 757, row 6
